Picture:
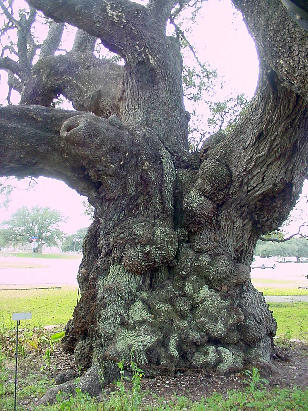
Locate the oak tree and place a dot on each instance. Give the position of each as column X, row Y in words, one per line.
column 39, row 225
column 165, row 276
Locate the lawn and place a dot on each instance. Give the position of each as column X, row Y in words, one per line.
column 35, row 255
column 55, row 307
column 48, row 306
column 283, row 291
column 292, row 320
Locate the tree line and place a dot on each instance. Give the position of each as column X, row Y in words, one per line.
column 296, row 247
column 39, row 226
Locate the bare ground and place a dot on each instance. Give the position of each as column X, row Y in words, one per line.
column 289, row 369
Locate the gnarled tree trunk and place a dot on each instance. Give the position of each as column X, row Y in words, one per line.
column 165, row 277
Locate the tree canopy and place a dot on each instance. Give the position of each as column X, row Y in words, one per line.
column 36, row 224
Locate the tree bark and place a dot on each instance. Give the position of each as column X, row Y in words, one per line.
column 165, row 277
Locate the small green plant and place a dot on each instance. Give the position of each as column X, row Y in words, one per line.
column 254, row 380
column 54, row 338
column 2, row 373
column 125, row 399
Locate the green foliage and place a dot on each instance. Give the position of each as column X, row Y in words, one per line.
column 254, row 380
column 295, row 247
column 2, row 372
column 200, row 84
column 258, row 400
column 38, row 222
column 74, row 242
column 57, row 336
column 4, row 237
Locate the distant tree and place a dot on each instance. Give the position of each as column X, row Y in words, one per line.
column 4, row 240
column 36, row 224
column 296, row 247
column 74, row 242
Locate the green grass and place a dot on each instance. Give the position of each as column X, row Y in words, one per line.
column 53, row 256
column 48, row 306
column 283, row 291
column 256, row 281
column 258, row 400
column 54, row 307
column 292, row 320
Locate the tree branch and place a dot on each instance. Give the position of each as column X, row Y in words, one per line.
column 180, row 33
column 81, row 149
column 284, row 47
column 84, row 42
column 91, row 84
column 262, row 161
column 53, row 39
column 282, row 240
column 8, row 64
column 8, row 15
column 14, row 83
column 120, row 24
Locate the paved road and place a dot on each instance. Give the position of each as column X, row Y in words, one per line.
column 284, row 275
column 17, row 272
column 286, row 298
column 37, row 272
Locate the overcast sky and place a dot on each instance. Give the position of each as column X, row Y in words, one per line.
column 221, row 39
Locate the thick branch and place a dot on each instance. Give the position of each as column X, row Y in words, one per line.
column 83, row 150
column 30, row 140
column 261, row 164
column 89, row 83
column 83, row 42
column 53, row 39
column 8, row 64
column 280, row 41
column 118, row 23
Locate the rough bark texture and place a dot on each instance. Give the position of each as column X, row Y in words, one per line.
column 165, row 277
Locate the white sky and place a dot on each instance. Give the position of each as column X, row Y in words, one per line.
column 221, row 39
column 53, row 194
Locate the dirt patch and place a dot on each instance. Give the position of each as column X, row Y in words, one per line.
column 290, row 369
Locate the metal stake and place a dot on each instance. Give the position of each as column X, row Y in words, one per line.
column 16, row 365
column 17, row 317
